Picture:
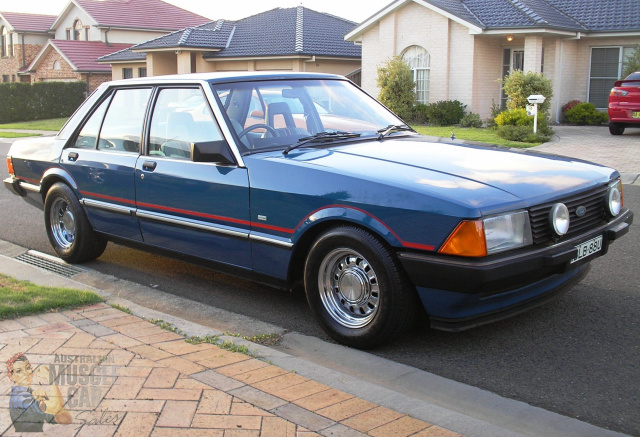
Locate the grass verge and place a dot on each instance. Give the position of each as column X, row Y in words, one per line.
column 481, row 135
column 53, row 124
column 16, row 135
column 21, row 298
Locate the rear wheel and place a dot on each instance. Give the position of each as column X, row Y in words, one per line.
column 68, row 229
column 616, row 128
column 357, row 290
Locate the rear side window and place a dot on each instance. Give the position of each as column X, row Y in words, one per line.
column 181, row 116
column 89, row 133
column 122, row 127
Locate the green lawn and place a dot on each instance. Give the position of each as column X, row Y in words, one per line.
column 481, row 135
column 14, row 135
column 20, row 298
column 53, row 124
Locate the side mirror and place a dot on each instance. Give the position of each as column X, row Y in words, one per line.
column 212, row 151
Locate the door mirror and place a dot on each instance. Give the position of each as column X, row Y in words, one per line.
column 212, row 151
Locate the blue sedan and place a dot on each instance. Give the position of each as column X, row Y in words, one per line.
column 295, row 178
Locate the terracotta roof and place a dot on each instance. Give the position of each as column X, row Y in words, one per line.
column 83, row 54
column 28, row 22
column 147, row 14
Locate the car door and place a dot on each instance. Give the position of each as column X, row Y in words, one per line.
column 194, row 208
column 102, row 159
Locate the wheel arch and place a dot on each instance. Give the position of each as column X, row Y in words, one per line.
column 332, row 217
column 54, row 175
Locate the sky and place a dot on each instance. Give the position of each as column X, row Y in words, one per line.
column 354, row 10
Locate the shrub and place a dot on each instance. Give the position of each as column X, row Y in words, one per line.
column 523, row 134
column 42, row 100
column 445, row 112
column 395, row 80
column 514, row 117
column 419, row 115
column 519, row 85
column 570, row 104
column 585, row 113
column 471, row 120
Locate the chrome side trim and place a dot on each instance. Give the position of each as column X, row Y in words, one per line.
column 271, row 240
column 108, row 206
column 204, row 226
column 30, row 187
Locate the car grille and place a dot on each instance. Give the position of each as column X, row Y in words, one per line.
column 593, row 201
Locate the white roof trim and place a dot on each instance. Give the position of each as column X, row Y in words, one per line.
column 516, row 31
column 66, row 11
column 356, row 33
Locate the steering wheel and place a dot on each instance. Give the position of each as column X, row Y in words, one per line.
column 269, row 129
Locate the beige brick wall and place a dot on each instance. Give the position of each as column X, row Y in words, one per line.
column 11, row 65
column 487, row 69
column 46, row 71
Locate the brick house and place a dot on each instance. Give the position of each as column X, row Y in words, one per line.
column 293, row 39
column 459, row 49
column 86, row 30
column 22, row 36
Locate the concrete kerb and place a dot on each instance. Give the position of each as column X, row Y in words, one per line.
column 463, row 409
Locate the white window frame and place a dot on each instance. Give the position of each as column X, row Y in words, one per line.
column 621, row 59
column 420, row 64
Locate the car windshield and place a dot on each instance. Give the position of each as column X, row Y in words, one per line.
column 267, row 115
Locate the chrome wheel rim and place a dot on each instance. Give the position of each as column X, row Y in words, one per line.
column 63, row 224
column 349, row 288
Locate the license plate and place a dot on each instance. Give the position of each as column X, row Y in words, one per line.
column 588, row 248
column 635, row 114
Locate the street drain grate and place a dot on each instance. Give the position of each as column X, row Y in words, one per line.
column 46, row 263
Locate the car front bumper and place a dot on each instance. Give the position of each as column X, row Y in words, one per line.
column 460, row 293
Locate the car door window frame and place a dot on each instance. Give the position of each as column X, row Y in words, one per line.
column 151, row 110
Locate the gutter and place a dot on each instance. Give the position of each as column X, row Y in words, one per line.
column 24, row 58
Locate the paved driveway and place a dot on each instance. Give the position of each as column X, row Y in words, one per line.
column 595, row 143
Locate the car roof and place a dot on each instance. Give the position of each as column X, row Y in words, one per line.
column 224, row 77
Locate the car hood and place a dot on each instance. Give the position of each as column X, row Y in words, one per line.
column 478, row 176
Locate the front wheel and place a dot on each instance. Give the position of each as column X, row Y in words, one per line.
column 68, row 229
column 356, row 289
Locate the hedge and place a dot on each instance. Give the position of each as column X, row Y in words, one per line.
column 40, row 101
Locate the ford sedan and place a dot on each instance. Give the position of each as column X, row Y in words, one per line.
column 303, row 179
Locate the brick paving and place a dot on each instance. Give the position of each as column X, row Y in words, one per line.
column 131, row 378
column 596, row 144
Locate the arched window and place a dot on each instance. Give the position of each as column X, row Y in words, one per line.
column 77, row 30
column 420, row 62
column 56, row 65
column 7, row 48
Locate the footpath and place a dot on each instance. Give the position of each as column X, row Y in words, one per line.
column 120, row 374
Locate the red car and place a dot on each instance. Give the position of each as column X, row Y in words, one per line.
column 624, row 104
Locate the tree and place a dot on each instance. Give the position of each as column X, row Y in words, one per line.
column 632, row 63
column 519, row 85
column 395, row 80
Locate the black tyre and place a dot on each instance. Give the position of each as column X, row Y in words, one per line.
column 68, row 229
column 616, row 129
column 357, row 290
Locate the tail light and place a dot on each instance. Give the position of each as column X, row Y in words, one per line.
column 618, row 92
column 10, row 166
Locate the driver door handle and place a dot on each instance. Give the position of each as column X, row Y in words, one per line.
column 149, row 165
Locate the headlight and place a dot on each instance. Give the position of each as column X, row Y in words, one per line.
column 507, row 232
column 559, row 218
column 614, row 198
column 488, row 236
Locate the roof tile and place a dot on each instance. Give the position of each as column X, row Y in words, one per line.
column 83, row 54
column 29, row 22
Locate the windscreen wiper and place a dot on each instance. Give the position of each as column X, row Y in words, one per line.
column 393, row 128
column 321, row 137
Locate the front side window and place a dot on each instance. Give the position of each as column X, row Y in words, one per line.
column 181, row 117
column 420, row 62
column 122, row 127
